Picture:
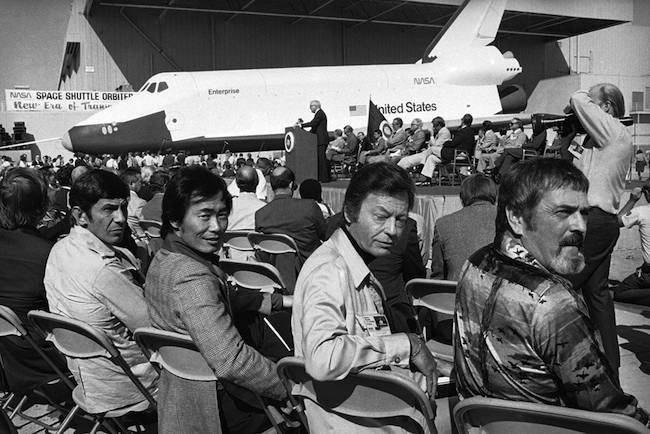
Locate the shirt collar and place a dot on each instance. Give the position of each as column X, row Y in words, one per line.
column 173, row 243
column 513, row 249
column 282, row 196
column 357, row 267
column 83, row 236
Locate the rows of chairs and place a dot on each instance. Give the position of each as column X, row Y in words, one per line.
column 370, row 393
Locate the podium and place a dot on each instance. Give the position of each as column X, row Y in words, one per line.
column 301, row 153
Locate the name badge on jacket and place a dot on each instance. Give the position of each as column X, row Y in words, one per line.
column 374, row 324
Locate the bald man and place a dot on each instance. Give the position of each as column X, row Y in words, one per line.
column 319, row 127
column 244, row 206
column 301, row 219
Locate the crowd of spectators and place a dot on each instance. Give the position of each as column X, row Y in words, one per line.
column 531, row 318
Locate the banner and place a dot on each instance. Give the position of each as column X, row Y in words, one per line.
column 61, row 100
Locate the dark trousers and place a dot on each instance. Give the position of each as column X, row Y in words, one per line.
column 601, row 237
column 635, row 288
column 507, row 159
column 323, row 164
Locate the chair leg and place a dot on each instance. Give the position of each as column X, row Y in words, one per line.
column 269, row 415
column 68, row 418
column 18, row 407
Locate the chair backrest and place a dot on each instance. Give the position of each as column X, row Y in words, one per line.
column 252, row 275
column 151, row 227
column 237, row 240
column 175, row 352
column 371, row 393
column 76, row 339
column 500, row 416
column 10, row 324
column 274, row 244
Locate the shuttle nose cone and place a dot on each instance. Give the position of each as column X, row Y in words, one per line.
column 67, row 143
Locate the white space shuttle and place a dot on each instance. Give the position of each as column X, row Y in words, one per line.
column 247, row 110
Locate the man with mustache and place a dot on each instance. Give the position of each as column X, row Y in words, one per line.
column 522, row 332
column 89, row 278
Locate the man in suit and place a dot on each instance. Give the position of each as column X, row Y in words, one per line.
column 457, row 235
column 463, row 140
column 319, row 127
column 301, row 219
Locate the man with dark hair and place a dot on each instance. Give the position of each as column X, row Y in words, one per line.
column 341, row 321
column 459, row 234
column 187, row 293
column 157, row 184
column 89, row 278
column 463, row 141
column 244, row 206
column 301, row 219
column 521, row 331
column 23, row 254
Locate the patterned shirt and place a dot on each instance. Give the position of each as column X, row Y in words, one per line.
column 523, row 334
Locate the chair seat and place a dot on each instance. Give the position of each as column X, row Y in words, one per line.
column 78, row 397
column 441, row 351
column 442, row 302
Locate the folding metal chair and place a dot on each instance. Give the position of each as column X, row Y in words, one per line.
column 370, row 393
column 490, row 415
column 253, row 275
column 257, row 276
column 279, row 250
column 10, row 324
column 6, row 426
column 76, row 339
column 237, row 246
column 178, row 354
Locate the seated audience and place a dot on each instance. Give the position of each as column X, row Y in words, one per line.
column 377, row 151
column 522, row 332
column 395, row 143
column 488, row 147
column 311, row 189
column 341, row 321
column 187, row 293
column 301, row 219
column 457, row 235
column 23, row 254
column 244, row 206
column 260, row 190
column 90, row 279
column 463, row 141
column 441, row 135
column 335, row 146
column 132, row 178
column 157, row 184
column 413, row 149
column 145, row 190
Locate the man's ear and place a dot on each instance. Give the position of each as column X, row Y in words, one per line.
column 79, row 217
column 175, row 225
column 516, row 222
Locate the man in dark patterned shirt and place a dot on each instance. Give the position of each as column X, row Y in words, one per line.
column 522, row 332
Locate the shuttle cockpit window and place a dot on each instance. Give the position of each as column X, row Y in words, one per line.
column 144, row 87
column 151, row 88
column 162, row 86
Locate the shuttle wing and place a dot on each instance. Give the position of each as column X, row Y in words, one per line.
column 474, row 24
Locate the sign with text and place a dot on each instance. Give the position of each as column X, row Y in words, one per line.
column 61, row 100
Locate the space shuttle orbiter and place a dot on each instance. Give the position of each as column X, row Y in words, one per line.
column 247, row 110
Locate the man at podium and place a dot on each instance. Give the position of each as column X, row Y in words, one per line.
column 319, row 127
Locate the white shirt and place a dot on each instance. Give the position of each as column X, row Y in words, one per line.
column 260, row 191
column 607, row 163
column 640, row 216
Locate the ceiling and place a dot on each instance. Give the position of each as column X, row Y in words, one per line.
column 406, row 14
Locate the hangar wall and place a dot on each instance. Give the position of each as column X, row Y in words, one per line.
column 209, row 41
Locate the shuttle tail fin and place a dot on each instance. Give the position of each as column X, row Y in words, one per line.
column 474, row 24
